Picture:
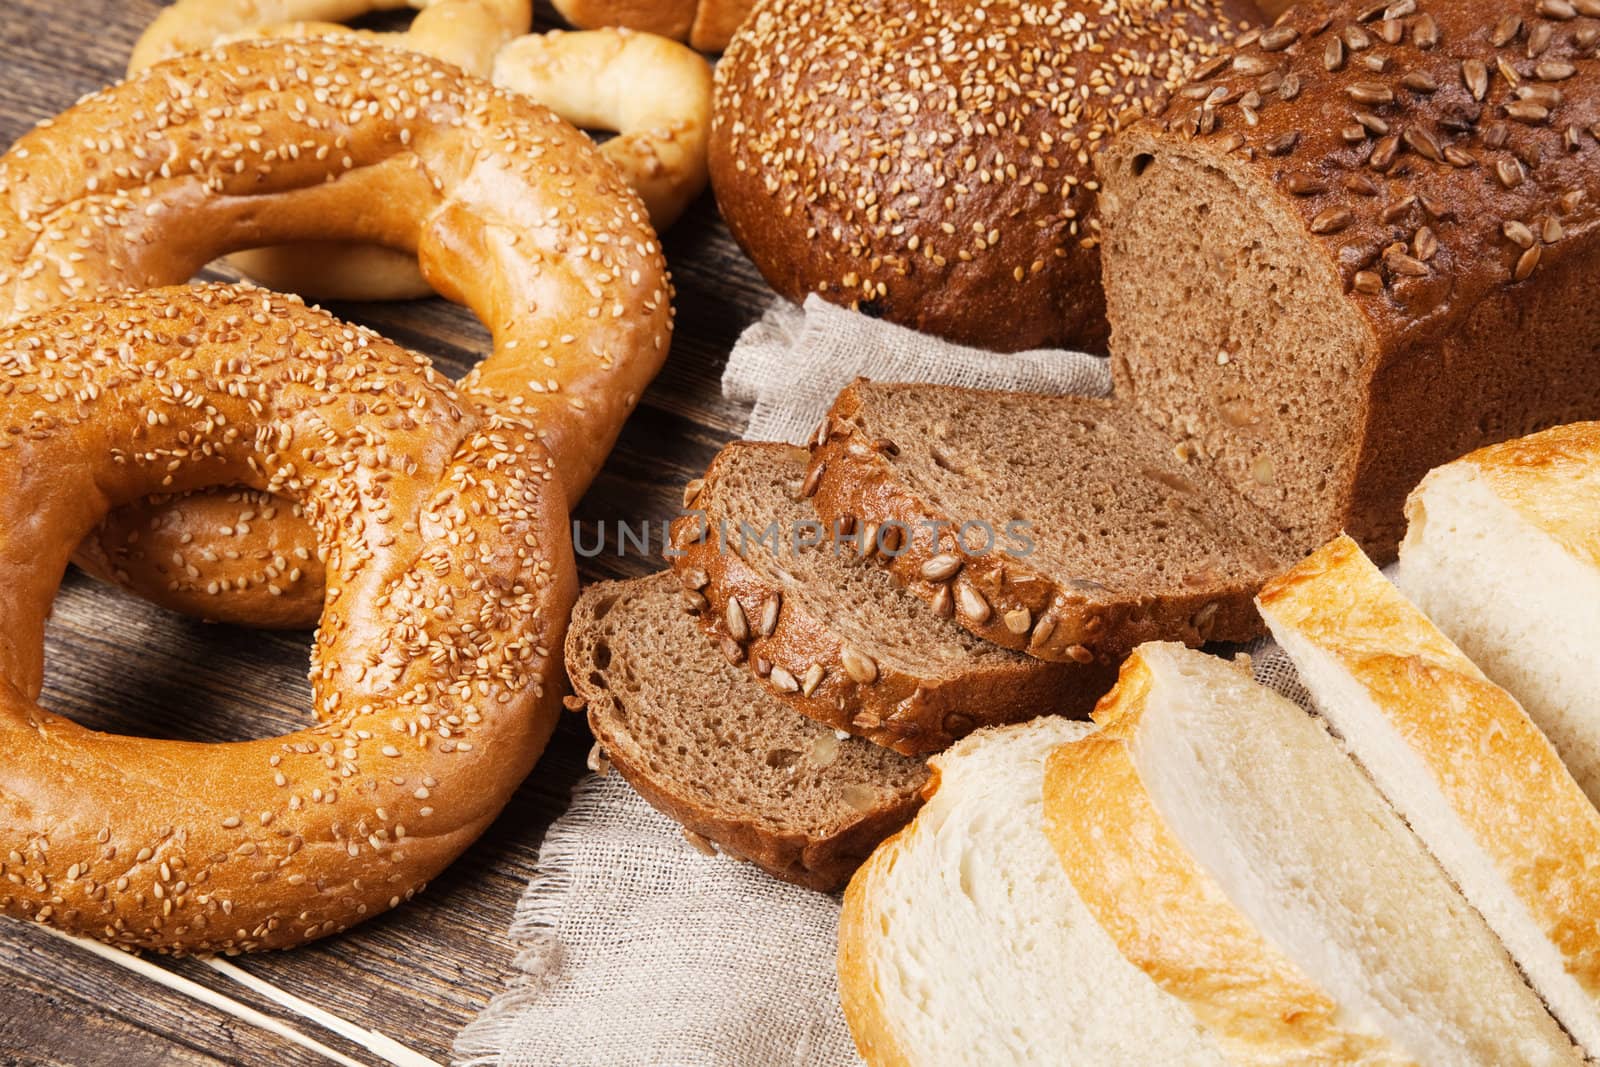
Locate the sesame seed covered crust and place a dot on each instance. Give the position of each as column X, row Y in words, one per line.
column 1416, row 189
column 450, row 579
column 509, row 210
column 931, row 162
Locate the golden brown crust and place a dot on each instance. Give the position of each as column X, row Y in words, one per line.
column 1001, row 597
column 707, row 25
column 801, row 658
column 931, row 162
column 863, row 1005
column 1168, row 916
column 1548, row 478
column 1440, row 156
column 434, row 679
column 1536, row 826
column 509, row 210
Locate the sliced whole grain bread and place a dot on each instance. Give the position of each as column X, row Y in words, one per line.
column 704, row 743
column 832, row 634
column 1063, row 526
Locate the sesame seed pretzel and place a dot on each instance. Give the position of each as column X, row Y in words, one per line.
column 509, row 210
column 655, row 94
column 450, row 579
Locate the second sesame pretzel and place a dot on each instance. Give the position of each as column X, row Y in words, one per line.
column 511, row 212
column 654, row 93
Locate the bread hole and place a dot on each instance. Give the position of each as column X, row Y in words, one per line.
column 782, row 758
column 603, row 606
column 1141, row 163
column 602, row 655
column 944, row 462
column 597, row 679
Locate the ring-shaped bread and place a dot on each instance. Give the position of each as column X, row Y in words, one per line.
column 652, row 92
column 434, row 671
column 509, row 211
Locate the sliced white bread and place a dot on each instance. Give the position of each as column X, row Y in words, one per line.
column 963, row 942
column 1236, row 854
column 1460, row 761
column 1503, row 553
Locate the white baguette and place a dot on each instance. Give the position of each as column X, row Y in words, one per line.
column 1503, row 553
column 1460, row 761
column 1236, row 854
column 962, row 941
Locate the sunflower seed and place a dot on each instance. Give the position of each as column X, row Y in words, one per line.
column 941, row 568
column 1587, row 7
column 1390, row 31
column 1282, row 145
column 784, row 681
column 1552, row 230
column 763, row 666
column 1425, row 32
column 1420, row 81
column 1475, row 76
column 860, row 667
column 808, row 488
column 1506, row 31
column 1354, row 133
column 820, row 436
column 972, row 604
column 694, row 578
column 1018, row 621
column 694, row 602
column 1303, row 185
column 1400, row 9
column 1539, row 40
column 1527, row 263
column 1425, row 244
column 1331, row 220
column 1208, row 69
column 1508, row 72
column 1399, row 262
column 732, row 649
column 733, row 618
column 1367, row 281
column 1554, row 70
column 1571, row 200
column 1079, row 654
column 1424, row 143
column 1399, row 209
column 1333, row 54
column 944, row 604
column 692, row 491
column 1560, row 10
column 1278, row 38
column 1384, row 152
column 1250, row 64
column 1355, row 38
column 1527, row 111
column 1518, row 233
column 769, row 613
column 1370, row 93
column 813, row 678
column 1509, row 171
column 1456, row 157
column 1290, row 87
column 1361, row 185
column 1371, row 122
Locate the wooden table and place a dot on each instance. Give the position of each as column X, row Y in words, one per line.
column 422, row 972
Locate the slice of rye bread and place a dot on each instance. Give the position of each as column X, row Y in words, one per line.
column 1119, row 542
column 702, row 742
column 833, row 635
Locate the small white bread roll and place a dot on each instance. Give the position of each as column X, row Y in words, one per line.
column 1236, row 854
column 1460, row 761
column 1503, row 553
column 962, row 942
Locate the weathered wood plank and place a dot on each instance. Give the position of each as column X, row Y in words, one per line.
column 422, row 972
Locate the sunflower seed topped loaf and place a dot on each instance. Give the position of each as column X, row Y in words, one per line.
column 702, row 742
column 1066, row 527
column 931, row 162
column 831, row 634
column 1360, row 247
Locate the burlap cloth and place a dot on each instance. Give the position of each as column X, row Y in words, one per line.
column 638, row 951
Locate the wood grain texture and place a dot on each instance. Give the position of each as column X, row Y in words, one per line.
column 422, row 972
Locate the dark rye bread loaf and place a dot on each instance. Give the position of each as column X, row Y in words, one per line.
column 1361, row 248
column 931, row 161
column 832, row 634
column 702, row 742
column 1126, row 541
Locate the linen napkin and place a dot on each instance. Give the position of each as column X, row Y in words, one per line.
column 637, row 950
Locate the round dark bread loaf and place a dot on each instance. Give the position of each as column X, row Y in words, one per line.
column 931, row 162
